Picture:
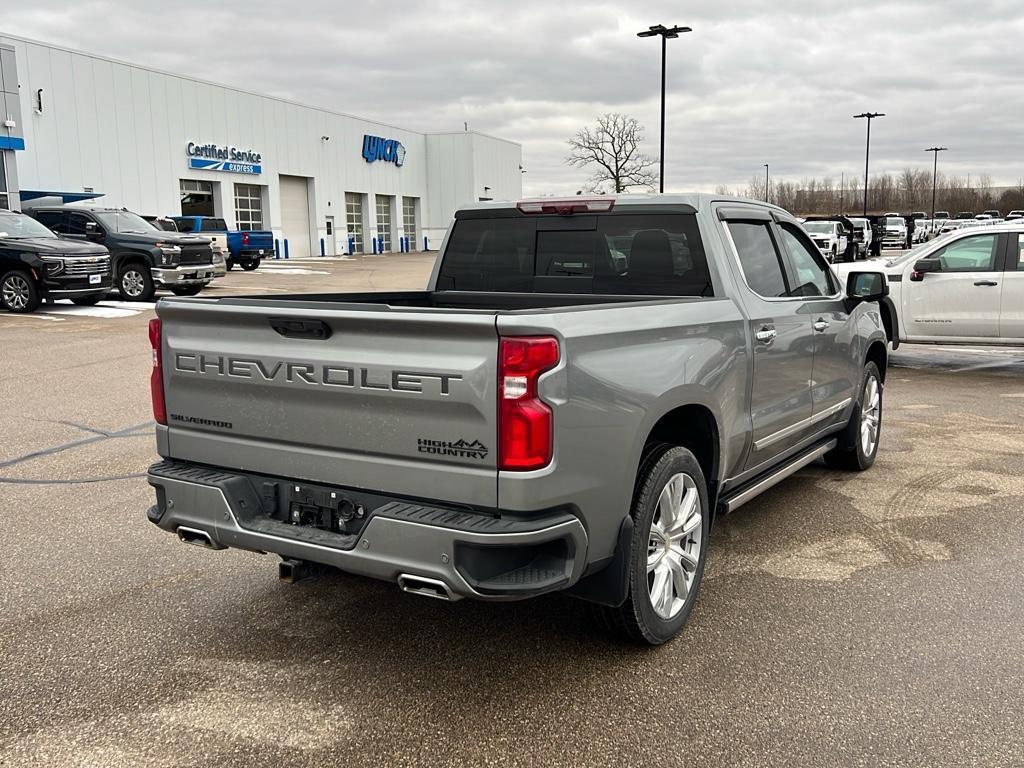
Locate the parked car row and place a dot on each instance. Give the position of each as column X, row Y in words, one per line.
column 83, row 253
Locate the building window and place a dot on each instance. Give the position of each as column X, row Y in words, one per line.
column 197, row 198
column 409, row 220
column 248, row 207
column 354, row 220
column 383, row 223
column 5, row 198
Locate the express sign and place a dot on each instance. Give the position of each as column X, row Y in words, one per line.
column 388, row 150
column 213, row 157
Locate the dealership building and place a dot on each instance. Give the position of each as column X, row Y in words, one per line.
column 79, row 129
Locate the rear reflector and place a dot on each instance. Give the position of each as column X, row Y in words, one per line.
column 245, row 238
column 568, row 206
column 156, row 377
column 525, row 428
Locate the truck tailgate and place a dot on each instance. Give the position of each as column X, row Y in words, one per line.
column 398, row 401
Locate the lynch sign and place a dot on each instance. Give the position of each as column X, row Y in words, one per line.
column 388, row 150
column 213, row 157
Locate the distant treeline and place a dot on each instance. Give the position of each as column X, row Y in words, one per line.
column 904, row 192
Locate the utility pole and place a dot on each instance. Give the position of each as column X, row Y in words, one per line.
column 666, row 33
column 767, row 186
column 867, row 153
column 935, row 175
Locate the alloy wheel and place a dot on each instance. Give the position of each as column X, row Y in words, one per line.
column 133, row 283
column 16, row 292
column 673, row 549
column 870, row 416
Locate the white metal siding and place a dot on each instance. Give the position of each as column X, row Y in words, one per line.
column 121, row 129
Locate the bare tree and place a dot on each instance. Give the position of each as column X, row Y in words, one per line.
column 613, row 145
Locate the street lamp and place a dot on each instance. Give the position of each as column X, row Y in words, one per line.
column 867, row 153
column 666, row 33
column 766, row 187
column 935, row 175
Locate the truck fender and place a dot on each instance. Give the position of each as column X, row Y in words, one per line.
column 890, row 320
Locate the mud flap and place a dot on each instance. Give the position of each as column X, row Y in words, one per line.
column 609, row 585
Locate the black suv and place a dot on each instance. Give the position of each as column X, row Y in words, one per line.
column 36, row 264
column 144, row 257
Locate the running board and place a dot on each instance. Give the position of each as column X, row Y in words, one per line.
column 733, row 503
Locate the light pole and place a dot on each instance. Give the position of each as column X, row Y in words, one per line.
column 935, row 175
column 867, row 153
column 766, row 187
column 666, row 33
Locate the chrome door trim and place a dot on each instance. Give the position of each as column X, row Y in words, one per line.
column 792, row 429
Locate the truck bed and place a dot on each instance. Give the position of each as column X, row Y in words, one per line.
column 455, row 300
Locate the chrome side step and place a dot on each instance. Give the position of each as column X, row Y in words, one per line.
column 795, row 465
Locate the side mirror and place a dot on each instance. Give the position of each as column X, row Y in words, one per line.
column 923, row 267
column 867, row 286
column 92, row 231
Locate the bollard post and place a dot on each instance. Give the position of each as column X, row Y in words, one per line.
column 322, row 251
column 425, row 246
column 351, row 245
column 286, row 247
column 277, row 248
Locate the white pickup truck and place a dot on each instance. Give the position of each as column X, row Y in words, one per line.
column 966, row 287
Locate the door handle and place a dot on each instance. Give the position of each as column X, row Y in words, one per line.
column 820, row 325
column 766, row 335
column 986, row 282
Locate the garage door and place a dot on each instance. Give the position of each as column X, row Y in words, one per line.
column 295, row 215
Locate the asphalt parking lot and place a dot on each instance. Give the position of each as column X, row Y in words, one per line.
column 872, row 619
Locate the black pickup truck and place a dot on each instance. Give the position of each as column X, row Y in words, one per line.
column 144, row 257
column 36, row 264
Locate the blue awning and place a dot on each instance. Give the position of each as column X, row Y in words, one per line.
column 12, row 142
column 65, row 197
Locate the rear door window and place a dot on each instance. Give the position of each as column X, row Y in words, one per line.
column 186, row 225
column 615, row 254
column 213, row 225
column 52, row 219
column 759, row 259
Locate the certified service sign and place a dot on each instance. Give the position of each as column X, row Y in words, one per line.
column 212, row 157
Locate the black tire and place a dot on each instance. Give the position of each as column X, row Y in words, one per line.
column 187, row 290
column 851, row 453
column 134, row 282
column 250, row 264
column 636, row 619
column 19, row 292
column 88, row 301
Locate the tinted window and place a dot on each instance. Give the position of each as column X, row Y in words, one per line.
column 77, row 222
column 758, row 258
column 651, row 254
column 809, row 276
column 186, row 225
column 52, row 219
column 213, row 225
column 1018, row 255
column 971, row 254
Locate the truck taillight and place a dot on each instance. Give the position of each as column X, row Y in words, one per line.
column 156, row 378
column 525, row 429
column 245, row 238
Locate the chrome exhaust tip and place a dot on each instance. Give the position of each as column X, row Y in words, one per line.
column 197, row 537
column 420, row 585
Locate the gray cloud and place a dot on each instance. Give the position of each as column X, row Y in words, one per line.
column 755, row 82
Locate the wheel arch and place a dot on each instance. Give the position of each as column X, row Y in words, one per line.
column 694, row 427
column 879, row 355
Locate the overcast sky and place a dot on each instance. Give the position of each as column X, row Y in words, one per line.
column 755, row 82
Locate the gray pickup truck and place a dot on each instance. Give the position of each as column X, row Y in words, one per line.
column 584, row 385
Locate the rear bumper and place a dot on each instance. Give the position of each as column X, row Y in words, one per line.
column 472, row 555
column 187, row 274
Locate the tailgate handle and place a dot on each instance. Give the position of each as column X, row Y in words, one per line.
column 301, row 329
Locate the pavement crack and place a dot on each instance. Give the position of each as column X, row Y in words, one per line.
column 132, row 431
